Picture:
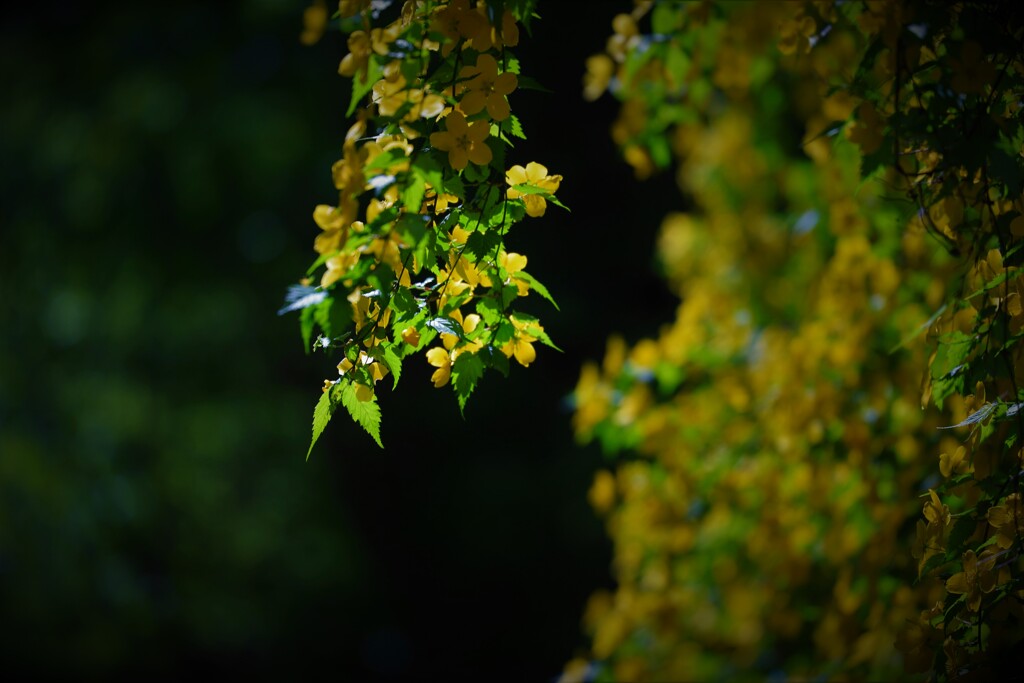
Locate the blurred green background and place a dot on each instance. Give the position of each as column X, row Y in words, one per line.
column 160, row 167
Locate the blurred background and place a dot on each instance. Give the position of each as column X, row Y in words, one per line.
column 160, row 165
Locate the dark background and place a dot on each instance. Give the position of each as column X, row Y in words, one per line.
column 160, row 164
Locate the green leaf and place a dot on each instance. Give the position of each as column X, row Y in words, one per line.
column 322, row 315
column 412, row 195
column 532, row 328
column 412, row 227
column 528, row 83
column 322, row 415
column 494, row 358
column 365, row 413
column 322, row 259
column 961, row 532
column 934, row 562
column 541, row 336
column 466, row 371
column 488, row 310
column 426, row 167
column 385, row 353
column 515, row 127
column 404, row 303
column 446, row 326
column 480, row 244
column 361, row 86
column 530, row 188
column 536, row 286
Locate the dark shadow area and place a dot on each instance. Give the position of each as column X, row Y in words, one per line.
column 160, row 166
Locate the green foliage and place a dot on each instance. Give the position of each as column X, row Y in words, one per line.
column 322, row 415
column 425, row 202
column 800, row 350
column 364, row 412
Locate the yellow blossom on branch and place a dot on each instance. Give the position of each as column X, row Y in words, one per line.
column 1008, row 520
column 487, row 88
column 533, row 174
column 457, row 21
column 976, row 579
column 463, row 141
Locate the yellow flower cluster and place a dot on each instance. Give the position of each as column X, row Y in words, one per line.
column 768, row 522
column 417, row 233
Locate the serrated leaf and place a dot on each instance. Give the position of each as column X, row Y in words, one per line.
column 494, row 358
column 540, row 335
column 386, row 354
column 480, row 244
column 536, row 286
column 404, row 303
column 322, row 316
column 361, row 86
column 384, row 161
column 365, row 413
column 446, row 326
column 322, row 415
column 427, row 168
column 516, row 127
column 412, row 227
column 466, row 371
column 488, row 310
column 412, row 195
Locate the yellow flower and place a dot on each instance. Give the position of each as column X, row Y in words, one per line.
column 332, row 220
column 314, row 20
column 411, row 336
column 953, row 464
column 392, row 95
column 443, row 358
column 626, row 38
column 381, row 38
column 337, row 266
column 866, row 131
column 513, row 263
column 469, row 324
column 458, row 21
column 487, row 88
column 463, row 141
column 509, row 34
column 440, row 359
column 602, row 491
column 976, row 578
column 377, row 373
column 600, row 69
column 971, row 73
column 533, row 174
column 348, row 8
column 794, row 34
column 1008, row 519
column 521, row 344
column 358, row 58
column 437, row 203
column 347, row 172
